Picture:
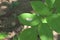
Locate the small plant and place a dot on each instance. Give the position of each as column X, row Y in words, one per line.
column 43, row 22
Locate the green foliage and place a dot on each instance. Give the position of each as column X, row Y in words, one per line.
column 53, row 21
column 2, row 35
column 57, row 5
column 28, row 19
column 29, row 34
column 40, row 8
column 42, row 23
column 47, row 20
column 49, row 3
column 45, row 32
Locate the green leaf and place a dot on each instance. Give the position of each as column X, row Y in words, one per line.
column 28, row 34
column 2, row 35
column 28, row 19
column 54, row 22
column 40, row 8
column 57, row 5
column 45, row 32
column 50, row 3
column 44, row 20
